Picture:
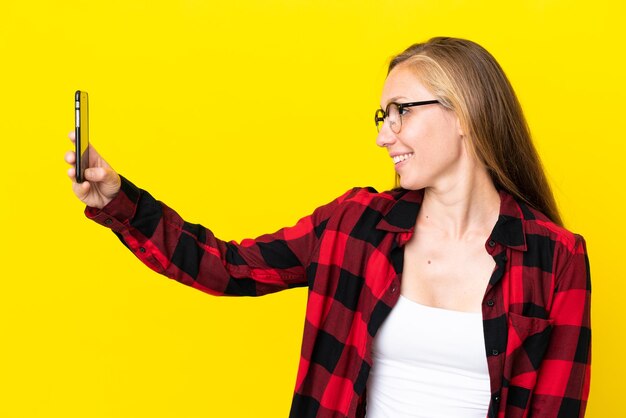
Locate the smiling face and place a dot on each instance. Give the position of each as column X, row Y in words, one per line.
column 430, row 149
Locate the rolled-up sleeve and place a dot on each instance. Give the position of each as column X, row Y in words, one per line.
column 192, row 255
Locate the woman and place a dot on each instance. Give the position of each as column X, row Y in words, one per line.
column 457, row 294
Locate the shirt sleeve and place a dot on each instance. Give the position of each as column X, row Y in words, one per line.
column 192, row 255
column 563, row 381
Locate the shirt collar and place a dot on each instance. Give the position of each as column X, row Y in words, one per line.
column 509, row 230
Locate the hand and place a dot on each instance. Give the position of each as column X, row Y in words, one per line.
column 102, row 182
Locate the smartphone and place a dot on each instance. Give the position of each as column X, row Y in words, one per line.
column 82, row 134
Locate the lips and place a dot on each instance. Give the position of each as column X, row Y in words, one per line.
column 401, row 157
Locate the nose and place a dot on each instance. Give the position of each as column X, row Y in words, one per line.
column 385, row 136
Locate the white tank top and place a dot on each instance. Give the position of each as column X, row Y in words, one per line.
column 428, row 363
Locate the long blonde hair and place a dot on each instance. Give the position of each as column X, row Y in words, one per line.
column 466, row 78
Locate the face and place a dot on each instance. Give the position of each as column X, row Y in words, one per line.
column 428, row 149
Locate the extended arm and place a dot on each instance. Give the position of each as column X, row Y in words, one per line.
column 192, row 255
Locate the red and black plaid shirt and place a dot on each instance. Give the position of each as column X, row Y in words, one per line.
column 349, row 253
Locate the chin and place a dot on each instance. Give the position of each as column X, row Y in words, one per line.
column 411, row 184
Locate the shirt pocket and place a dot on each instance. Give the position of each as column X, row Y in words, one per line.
column 527, row 341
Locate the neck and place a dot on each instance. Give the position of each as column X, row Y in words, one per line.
column 464, row 207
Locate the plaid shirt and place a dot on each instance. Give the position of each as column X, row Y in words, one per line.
column 349, row 253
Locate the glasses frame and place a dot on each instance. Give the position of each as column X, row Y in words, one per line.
column 381, row 114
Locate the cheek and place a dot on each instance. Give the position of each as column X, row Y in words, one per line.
column 434, row 140
column 445, row 139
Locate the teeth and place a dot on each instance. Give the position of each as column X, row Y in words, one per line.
column 400, row 158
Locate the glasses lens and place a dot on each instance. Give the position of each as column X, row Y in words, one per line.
column 393, row 117
column 379, row 119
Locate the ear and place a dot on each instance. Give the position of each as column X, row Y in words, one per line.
column 459, row 127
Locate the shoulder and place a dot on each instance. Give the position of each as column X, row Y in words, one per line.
column 538, row 224
column 357, row 204
column 369, row 199
column 368, row 196
column 562, row 251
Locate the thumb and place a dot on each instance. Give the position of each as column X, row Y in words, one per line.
column 82, row 190
column 96, row 174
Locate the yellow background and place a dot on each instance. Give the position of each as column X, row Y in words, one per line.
column 244, row 116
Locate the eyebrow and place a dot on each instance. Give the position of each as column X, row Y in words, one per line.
column 393, row 99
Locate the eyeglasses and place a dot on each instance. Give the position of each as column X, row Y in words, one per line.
column 393, row 114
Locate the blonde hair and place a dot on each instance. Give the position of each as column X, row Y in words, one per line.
column 467, row 79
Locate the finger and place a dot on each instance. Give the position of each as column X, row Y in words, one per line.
column 71, row 173
column 72, row 136
column 70, row 157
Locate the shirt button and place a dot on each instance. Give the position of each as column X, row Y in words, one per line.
column 394, row 288
column 108, row 221
column 142, row 250
column 492, row 243
column 491, row 302
column 494, row 352
column 496, row 398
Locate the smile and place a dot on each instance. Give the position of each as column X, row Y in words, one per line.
column 399, row 158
